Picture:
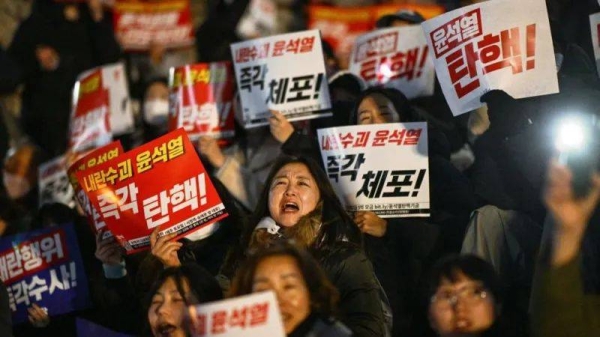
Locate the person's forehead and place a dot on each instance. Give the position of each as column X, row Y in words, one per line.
column 277, row 266
column 294, row 169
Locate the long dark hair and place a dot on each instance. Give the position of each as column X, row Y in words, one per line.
column 336, row 226
column 323, row 295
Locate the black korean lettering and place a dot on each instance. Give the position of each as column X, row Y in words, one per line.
column 352, row 165
column 373, row 184
column 333, row 167
column 277, row 91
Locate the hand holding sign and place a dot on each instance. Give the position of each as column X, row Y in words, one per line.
column 164, row 249
column 108, row 250
column 38, row 317
column 370, row 223
column 281, row 128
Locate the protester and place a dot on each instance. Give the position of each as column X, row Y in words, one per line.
column 155, row 108
column 465, row 298
column 54, row 45
column 561, row 306
column 175, row 290
column 307, row 299
column 299, row 203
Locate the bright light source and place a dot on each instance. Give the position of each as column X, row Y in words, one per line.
column 571, row 135
column 385, row 70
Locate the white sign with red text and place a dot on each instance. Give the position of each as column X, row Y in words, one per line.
column 396, row 58
column 255, row 315
column 595, row 26
column 283, row 72
column 501, row 44
column 382, row 168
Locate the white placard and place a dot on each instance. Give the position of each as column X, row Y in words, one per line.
column 54, row 183
column 255, row 315
column 283, row 72
column 383, row 168
column 595, row 26
column 396, row 58
column 501, row 44
column 115, row 81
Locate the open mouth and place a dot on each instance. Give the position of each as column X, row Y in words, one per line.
column 166, row 329
column 290, row 207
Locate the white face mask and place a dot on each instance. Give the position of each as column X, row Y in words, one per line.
column 16, row 186
column 156, row 111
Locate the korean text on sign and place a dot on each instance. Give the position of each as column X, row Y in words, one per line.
column 92, row 159
column 139, row 24
column 284, row 73
column 395, row 57
column 202, row 99
column 490, row 46
column 381, row 168
column 161, row 183
column 255, row 315
column 43, row 267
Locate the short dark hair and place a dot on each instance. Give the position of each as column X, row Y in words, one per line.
column 450, row 267
column 337, row 225
column 323, row 295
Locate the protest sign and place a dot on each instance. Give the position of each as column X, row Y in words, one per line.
column 90, row 118
column 101, row 108
column 201, row 100
column 94, row 158
column 383, row 168
column 595, row 26
column 255, row 315
column 161, row 183
column 395, row 58
column 340, row 26
column 43, row 267
column 139, row 24
column 285, row 73
column 54, row 184
column 501, row 44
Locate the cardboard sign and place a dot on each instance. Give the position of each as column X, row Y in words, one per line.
column 92, row 159
column 101, row 108
column 595, row 26
column 396, row 58
column 341, row 26
column 501, row 44
column 139, row 24
column 43, row 267
column 54, row 184
column 383, row 168
column 161, row 183
column 285, row 73
column 255, row 315
column 201, row 100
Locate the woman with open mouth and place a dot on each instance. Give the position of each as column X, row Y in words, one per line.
column 307, row 300
column 299, row 203
column 175, row 289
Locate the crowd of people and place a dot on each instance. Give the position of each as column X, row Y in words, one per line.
column 511, row 248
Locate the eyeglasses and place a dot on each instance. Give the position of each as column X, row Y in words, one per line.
column 469, row 295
